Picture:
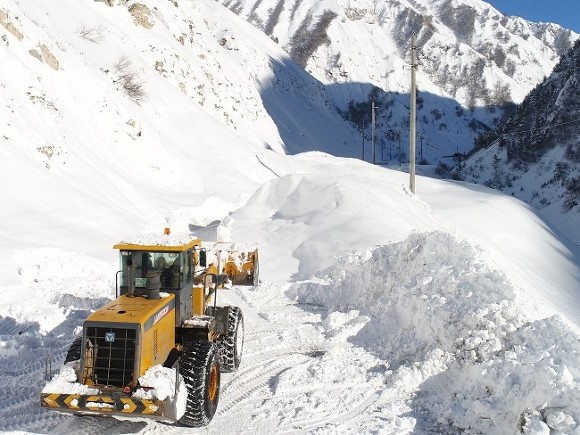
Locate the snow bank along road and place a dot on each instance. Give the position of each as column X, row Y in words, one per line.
column 419, row 336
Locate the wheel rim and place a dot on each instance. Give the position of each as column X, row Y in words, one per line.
column 213, row 383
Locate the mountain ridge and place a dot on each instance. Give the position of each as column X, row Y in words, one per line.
column 468, row 52
column 534, row 154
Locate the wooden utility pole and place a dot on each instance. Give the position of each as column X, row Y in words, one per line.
column 373, row 131
column 413, row 121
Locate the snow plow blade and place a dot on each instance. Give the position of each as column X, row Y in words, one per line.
column 105, row 404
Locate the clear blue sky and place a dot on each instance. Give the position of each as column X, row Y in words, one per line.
column 563, row 12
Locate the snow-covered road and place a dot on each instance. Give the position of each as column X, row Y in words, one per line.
column 284, row 342
column 419, row 336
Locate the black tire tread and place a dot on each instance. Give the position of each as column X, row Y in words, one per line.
column 194, row 365
column 227, row 343
column 74, row 351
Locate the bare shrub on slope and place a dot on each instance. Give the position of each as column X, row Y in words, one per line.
column 129, row 80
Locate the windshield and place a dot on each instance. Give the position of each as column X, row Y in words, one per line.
column 167, row 264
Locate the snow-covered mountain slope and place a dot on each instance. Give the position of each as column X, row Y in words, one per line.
column 96, row 95
column 535, row 153
column 368, row 41
column 472, row 60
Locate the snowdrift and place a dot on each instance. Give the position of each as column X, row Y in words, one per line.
column 449, row 328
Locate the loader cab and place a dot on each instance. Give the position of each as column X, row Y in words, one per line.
column 161, row 265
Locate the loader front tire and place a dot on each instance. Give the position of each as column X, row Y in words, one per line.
column 230, row 346
column 74, row 351
column 200, row 369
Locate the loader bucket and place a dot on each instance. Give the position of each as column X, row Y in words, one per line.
column 239, row 263
column 243, row 269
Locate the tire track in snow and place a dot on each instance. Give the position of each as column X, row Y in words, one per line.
column 281, row 337
column 332, row 418
column 90, row 425
column 22, row 375
column 245, row 385
column 266, row 353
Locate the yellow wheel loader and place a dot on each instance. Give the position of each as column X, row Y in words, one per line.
column 165, row 320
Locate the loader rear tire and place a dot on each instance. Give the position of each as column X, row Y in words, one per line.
column 230, row 346
column 74, row 351
column 200, row 369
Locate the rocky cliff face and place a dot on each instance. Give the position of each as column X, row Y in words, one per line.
column 535, row 153
column 460, row 42
column 472, row 61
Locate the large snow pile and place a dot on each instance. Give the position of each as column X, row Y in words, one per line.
column 448, row 326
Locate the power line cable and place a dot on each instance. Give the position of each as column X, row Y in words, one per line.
column 499, row 135
column 519, row 131
column 539, row 128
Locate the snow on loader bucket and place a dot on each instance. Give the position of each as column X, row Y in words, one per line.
column 158, row 350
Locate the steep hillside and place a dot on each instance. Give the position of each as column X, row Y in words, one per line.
column 535, row 153
column 473, row 61
column 224, row 67
column 118, row 94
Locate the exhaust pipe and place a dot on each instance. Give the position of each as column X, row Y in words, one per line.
column 131, row 272
column 153, row 285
